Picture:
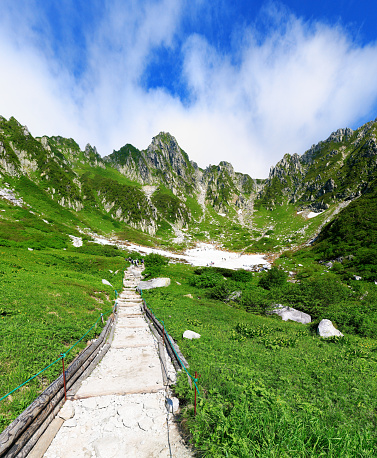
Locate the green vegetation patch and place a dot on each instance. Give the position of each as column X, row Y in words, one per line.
column 268, row 388
column 48, row 300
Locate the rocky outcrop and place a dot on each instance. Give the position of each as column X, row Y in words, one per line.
column 154, row 283
column 191, row 335
column 331, row 171
column 326, row 329
column 341, row 135
column 289, row 313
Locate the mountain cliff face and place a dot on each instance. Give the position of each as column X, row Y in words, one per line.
column 83, row 180
column 160, row 191
column 338, row 169
column 162, row 162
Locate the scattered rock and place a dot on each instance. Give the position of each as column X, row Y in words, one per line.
column 191, row 335
column 76, row 241
column 356, row 277
column 327, row 329
column 154, row 283
column 235, row 295
column 67, row 411
column 289, row 313
column 172, row 404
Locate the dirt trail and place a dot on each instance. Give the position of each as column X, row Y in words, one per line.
column 120, row 409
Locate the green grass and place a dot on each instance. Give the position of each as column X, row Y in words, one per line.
column 268, row 388
column 48, row 300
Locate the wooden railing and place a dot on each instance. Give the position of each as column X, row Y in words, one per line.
column 21, row 435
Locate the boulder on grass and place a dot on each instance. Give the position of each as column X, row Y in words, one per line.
column 327, row 329
column 191, row 335
column 154, row 283
column 289, row 313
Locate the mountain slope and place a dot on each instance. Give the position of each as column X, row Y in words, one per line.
column 159, row 196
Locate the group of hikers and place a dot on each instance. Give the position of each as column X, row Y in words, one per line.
column 135, row 262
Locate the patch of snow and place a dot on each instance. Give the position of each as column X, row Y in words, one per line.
column 313, row 215
column 76, row 241
column 205, row 254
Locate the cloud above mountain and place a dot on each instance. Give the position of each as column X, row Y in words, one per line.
column 118, row 72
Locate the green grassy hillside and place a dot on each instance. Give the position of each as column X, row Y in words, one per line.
column 48, row 300
column 270, row 388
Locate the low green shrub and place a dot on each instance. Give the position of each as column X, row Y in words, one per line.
column 273, row 278
column 154, row 265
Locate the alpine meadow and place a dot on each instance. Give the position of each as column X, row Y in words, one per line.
column 268, row 387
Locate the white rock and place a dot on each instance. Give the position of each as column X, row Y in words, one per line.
column 327, row 329
column 151, row 403
column 67, row 411
column 191, row 335
column 172, row 404
column 289, row 313
column 154, row 283
column 103, row 402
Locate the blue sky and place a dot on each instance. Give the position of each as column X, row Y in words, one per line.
column 244, row 81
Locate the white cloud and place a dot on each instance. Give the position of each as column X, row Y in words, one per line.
column 291, row 89
column 275, row 94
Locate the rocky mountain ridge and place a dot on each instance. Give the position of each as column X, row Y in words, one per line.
column 160, row 190
column 338, row 169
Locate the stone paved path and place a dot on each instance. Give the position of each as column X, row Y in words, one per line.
column 120, row 410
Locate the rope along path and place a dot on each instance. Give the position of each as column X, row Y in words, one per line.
column 120, row 411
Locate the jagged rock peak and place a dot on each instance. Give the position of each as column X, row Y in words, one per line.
column 338, row 136
column 165, row 149
column 286, row 165
column 90, row 149
column 227, row 166
column 164, row 143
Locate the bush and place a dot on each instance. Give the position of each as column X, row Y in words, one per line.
column 242, row 276
column 206, row 279
column 274, row 278
column 254, row 301
column 154, row 264
column 220, row 292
